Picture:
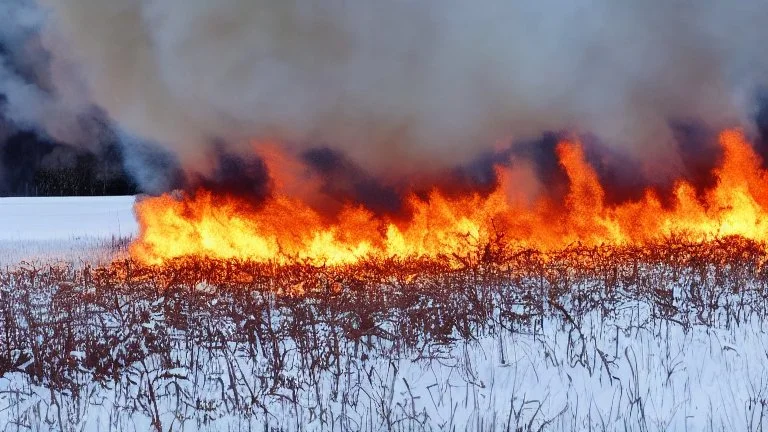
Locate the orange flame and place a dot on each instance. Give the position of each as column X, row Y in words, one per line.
column 286, row 230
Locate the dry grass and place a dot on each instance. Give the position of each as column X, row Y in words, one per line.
column 144, row 329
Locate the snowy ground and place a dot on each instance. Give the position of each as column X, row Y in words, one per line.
column 655, row 378
column 628, row 371
column 69, row 229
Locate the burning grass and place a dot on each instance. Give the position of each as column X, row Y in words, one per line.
column 198, row 340
column 287, row 229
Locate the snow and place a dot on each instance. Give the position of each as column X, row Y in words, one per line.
column 66, row 218
column 656, row 376
column 68, row 229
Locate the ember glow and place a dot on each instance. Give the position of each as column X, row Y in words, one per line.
column 286, row 230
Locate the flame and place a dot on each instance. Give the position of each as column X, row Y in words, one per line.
column 285, row 229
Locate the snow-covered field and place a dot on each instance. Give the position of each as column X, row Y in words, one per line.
column 69, row 229
column 654, row 378
column 629, row 370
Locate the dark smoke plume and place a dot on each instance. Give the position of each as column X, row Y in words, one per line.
column 53, row 140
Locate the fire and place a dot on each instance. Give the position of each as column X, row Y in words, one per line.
column 285, row 230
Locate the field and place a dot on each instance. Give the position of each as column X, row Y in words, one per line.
column 65, row 230
column 669, row 336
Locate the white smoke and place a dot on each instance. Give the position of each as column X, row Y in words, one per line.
column 406, row 85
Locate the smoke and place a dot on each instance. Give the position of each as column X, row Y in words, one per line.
column 53, row 139
column 401, row 86
column 156, row 170
column 41, row 91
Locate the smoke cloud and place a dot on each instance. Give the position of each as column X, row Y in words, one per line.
column 399, row 85
column 50, row 130
column 41, row 91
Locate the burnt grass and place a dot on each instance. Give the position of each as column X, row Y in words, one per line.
column 68, row 329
